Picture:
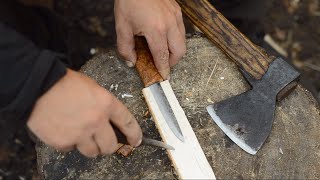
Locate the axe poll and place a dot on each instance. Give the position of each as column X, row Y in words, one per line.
column 246, row 118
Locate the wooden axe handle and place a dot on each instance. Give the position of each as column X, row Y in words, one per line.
column 218, row 29
column 145, row 65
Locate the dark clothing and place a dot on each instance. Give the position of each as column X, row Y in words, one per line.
column 30, row 60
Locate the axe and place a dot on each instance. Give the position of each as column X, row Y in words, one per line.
column 246, row 118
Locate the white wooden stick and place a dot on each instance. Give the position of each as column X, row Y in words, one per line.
column 188, row 158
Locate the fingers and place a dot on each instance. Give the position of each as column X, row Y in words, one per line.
column 88, row 147
column 176, row 36
column 167, row 42
column 122, row 118
column 158, row 46
column 180, row 22
column 162, row 25
column 177, row 46
column 125, row 42
column 106, row 139
column 179, row 17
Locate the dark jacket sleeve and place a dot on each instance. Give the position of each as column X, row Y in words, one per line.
column 26, row 73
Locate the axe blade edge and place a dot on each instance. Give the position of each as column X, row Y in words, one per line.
column 232, row 135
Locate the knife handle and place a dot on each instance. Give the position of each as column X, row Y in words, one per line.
column 219, row 30
column 145, row 65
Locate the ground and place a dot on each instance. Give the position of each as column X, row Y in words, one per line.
column 292, row 23
column 289, row 152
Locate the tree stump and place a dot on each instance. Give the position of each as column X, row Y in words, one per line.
column 204, row 76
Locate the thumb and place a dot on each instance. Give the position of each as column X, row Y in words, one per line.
column 126, row 45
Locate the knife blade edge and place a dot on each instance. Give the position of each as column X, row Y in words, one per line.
column 165, row 108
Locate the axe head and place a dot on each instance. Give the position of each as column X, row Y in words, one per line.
column 247, row 118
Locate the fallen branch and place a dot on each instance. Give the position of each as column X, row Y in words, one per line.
column 312, row 66
column 268, row 39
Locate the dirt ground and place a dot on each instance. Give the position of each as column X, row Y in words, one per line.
column 205, row 75
column 293, row 24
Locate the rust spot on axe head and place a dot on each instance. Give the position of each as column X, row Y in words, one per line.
column 247, row 118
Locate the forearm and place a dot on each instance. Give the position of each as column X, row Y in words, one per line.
column 26, row 72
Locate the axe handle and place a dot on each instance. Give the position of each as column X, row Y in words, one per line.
column 145, row 65
column 219, row 30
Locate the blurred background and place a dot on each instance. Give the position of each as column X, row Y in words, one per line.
column 290, row 28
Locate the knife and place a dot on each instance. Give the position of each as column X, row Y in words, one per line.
column 153, row 82
column 145, row 141
column 188, row 158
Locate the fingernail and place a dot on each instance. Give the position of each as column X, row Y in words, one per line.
column 165, row 73
column 168, row 77
column 139, row 142
column 129, row 63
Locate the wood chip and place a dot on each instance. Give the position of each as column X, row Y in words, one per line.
column 146, row 114
column 125, row 150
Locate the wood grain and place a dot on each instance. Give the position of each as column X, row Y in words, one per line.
column 144, row 65
column 219, row 30
column 188, row 158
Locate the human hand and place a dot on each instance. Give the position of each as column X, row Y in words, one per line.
column 160, row 21
column 77, row 113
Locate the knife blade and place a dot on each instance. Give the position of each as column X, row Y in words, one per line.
column 166, row 111
column 145, row 140
column 153, row 142
column 152, row 79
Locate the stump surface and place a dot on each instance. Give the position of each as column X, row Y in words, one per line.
column 204, row 76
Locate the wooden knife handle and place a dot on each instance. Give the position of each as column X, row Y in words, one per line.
column 145, row 65
column 219, row 30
